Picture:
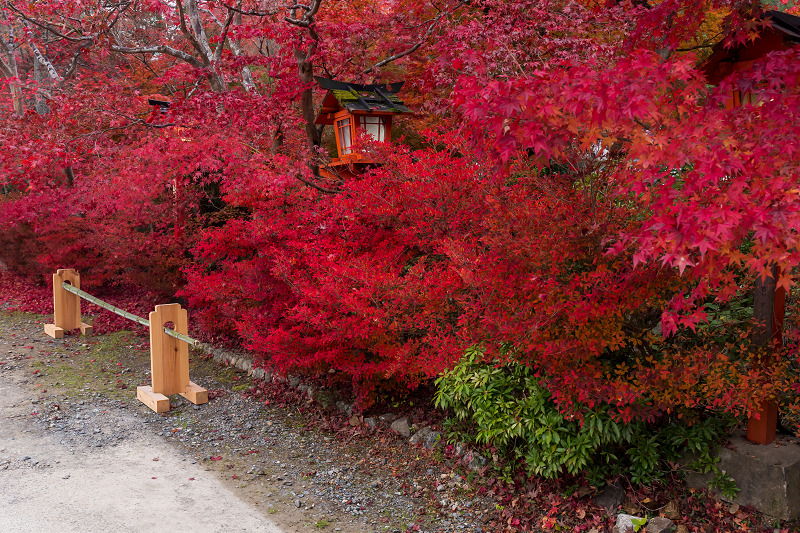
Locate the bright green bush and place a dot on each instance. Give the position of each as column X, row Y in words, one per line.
column 506, row 407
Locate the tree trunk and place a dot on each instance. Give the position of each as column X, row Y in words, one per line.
column 41, row 103
column 307, row 106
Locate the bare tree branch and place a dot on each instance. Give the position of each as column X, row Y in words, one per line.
column 185, row 31
column 411, row 50
column 223, row 36
column 160, row 49
column 50, row 28
column 251, row 13
column 308, row 16
column 314, row 185
column 73, row 65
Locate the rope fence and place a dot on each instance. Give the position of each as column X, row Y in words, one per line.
column 125, row 314
column 169, row 348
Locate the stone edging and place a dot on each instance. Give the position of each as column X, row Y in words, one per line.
column 400, row 425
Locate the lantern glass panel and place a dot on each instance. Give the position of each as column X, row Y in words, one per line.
column 375, row 126
column 345, row 140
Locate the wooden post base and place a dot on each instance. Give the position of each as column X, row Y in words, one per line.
column 54, row 331
column 154, row 400
column 195, row 393
column 58, row 333
column 160, row 403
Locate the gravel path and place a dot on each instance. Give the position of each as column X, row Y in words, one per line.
column 69, row 406
column 96, row 472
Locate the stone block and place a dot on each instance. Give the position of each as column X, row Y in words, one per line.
column 473, row 460
column 401, row 427
column 768, row 475
column 660, row 524
column 419, row 436
column 432, row 440
column 627, row 523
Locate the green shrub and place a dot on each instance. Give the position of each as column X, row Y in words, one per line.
column 507, row 407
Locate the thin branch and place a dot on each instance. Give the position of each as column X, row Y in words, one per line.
column 160, row 49
column 212, row 15
column 223, row 36
column 73, row 65
column 314, row 185
column 308, row 17
column 136, row 122
column 251, row 13
column 185, row 31
column 698, row 47
column 411, row 50
column 49, row 28
column 118, row 15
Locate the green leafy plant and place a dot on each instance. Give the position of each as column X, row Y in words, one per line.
column 638, row 523
column 510, row 409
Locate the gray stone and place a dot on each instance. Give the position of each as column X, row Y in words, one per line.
column 419, row 436
column 400, row 426
column 344, row 407
column 768, row 476
column 432, row 440
column 246, row 365
column 660, row 524
column 205, row 347
column 258, row 373
column 294, row 381
column 325, row 398
column 473, row 461
column 611, row 498
column 625, row 523
column 371, row 422
column 459, row 449
column 388, row 418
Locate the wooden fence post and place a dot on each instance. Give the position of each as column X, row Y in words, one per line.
column 66, row 306
column 169, row 362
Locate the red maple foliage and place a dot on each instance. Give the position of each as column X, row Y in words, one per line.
column 572, row 194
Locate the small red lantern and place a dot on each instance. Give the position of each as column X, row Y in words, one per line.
column 352, row 108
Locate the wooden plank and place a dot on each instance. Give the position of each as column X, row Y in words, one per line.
column 54, row 331
column 195, row 394
column 67, row 306
column 169, row 357
column 86, row 329
column 155, row 401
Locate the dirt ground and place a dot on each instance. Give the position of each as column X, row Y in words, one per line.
column 139, row 484
column 78, row 452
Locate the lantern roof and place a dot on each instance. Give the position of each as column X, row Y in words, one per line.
column 359, row 98
column 781, row 33
column 786, row 23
